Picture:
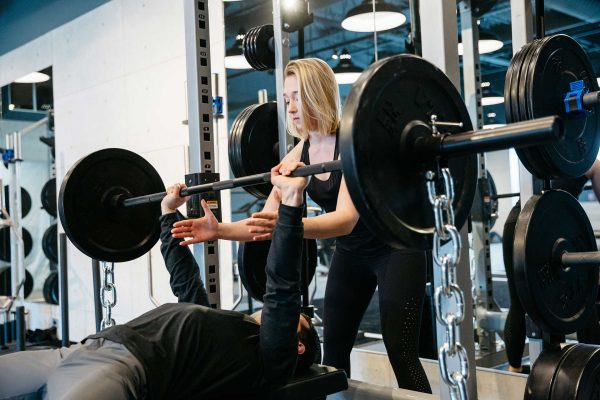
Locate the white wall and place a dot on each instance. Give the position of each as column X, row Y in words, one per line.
column 119, row 81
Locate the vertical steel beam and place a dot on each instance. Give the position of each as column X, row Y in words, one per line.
column 282, row 57
column 200, row 125
column 480, row 232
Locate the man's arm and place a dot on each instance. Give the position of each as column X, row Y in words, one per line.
column 281, row 308
column 185, row 280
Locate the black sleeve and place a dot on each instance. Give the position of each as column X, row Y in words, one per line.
column 185, row 281
column 281, row 308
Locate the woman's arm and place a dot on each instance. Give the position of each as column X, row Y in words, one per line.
column 208, row 228
column 333, row 224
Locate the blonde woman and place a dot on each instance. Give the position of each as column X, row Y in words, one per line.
column 361, row 262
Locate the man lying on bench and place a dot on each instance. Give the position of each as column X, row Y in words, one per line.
column 187, row 350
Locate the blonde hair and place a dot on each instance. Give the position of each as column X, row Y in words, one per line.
column 319, row 96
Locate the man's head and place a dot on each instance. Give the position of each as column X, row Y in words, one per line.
column 309, row 345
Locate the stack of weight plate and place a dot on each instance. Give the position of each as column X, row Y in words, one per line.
column 536, row 83
column 253, row 144
column 257, row 47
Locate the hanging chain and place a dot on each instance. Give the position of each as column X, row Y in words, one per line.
column 108, row 294
column 448, row 292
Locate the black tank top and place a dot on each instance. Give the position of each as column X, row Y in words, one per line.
column 325, row 193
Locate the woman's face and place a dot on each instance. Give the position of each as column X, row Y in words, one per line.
column 291, row 95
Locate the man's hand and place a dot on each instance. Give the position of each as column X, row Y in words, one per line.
column 172, row 200
column 199, row 229
column 292, row 188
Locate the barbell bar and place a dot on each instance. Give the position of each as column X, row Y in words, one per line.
column 255, row 179
column 421, row 141
column 584, row 258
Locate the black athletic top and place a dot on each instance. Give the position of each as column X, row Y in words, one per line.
column 360, row 241
column 191, row 351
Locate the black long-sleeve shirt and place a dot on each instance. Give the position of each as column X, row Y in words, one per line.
column 193, row 351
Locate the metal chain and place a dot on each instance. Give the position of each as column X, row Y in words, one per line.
column 108, row 294
column 448, row 292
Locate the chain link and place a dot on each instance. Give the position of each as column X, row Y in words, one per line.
column 448, row 293
column 108, row 294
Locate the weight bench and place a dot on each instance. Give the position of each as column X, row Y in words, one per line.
column 315, row 383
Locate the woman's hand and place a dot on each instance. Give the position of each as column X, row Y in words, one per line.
column 199, row 229
column 262, row 224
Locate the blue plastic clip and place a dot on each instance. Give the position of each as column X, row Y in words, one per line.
column 217, row 105
column 8, row 155
column 574, row 99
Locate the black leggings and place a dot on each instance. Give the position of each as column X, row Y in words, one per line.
column 514, row 328
column 352, row 280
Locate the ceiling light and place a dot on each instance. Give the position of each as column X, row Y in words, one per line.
column 234, row 58
column 360, row 18
column 491, row 115
column 492, row 100
column 346, row 72
column 487, row 44
column 598, row 81
column 34, row 77
column 11, row 106
column 485, row 84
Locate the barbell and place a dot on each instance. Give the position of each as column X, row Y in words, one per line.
column 556, row 262
column 403, row 117
column 554, row 76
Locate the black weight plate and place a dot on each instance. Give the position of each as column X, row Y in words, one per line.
column 516, row 102
column 248, row 50
column 48, row 197
column 561, row 61
column 256, row 49
column 257, row 137
column 236, row 156
column 539, row 381
column 5, row 243
column 50, row 243
column 6, row 286
column 493, row 200
column 262, row 51
column 99, row 230
column 25, row 202
column 534, row 159
column 50, row 290
column 234, row 147
column 523, row 74
column 538, row 159
column 507, row 87
column 516, row 64
column 388, row 188
column 257, row 63
column 252, row 261
column 557, row 300
column 578, row 376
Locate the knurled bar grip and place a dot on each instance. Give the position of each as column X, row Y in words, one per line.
column 249, row 180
